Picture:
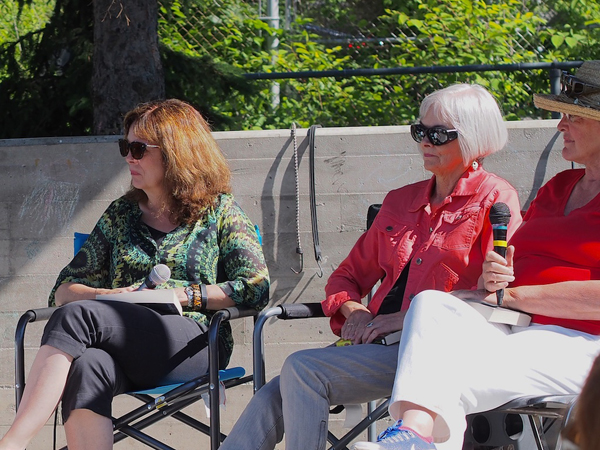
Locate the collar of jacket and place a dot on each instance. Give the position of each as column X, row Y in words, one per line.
column 468, row 184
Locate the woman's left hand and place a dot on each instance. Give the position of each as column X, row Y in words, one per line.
column 380, row 326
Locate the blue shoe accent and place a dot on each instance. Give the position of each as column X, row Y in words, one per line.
column 396, row 438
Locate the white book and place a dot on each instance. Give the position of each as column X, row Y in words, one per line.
column 495, row 314
column 391, row 338
column 162, row 300
column 498, row 314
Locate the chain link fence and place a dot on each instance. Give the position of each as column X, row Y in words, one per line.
column 290, row 36
column 363, row 29
column 325, row 61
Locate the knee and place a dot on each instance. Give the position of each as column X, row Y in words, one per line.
column 67, row 312
column 426, row 302
column 300, row 369
column 294, row 365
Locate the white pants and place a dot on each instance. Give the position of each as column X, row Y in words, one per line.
column 453, row 362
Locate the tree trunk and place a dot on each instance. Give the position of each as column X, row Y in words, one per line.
column 127, row 68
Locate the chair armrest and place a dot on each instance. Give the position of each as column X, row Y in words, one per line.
column 285, row 312
column 301, row 311
column 32, row 315
column 556, row 406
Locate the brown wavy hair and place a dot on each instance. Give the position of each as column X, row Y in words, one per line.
column 196, row 171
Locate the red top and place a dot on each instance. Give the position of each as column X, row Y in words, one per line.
column 551, row 247
column 446, row 248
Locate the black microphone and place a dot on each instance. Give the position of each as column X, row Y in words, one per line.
column 499, row 218
column 159, row 275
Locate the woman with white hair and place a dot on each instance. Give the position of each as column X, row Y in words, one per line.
column 433, row 234
column 553, row 267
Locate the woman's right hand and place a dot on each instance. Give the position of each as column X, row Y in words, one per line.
column 357, row 317
column 497, row 271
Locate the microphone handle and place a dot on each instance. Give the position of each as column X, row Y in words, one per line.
column 146, row 284
column 501, row 250
column 500, row 244
column 500, row 296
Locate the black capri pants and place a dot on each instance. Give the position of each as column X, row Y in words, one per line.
column 119, row 347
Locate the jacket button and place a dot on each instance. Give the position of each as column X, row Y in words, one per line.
column 419, row 261
column 389, row 228
column 411, row 296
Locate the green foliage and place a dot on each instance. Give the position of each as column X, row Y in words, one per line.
column 48, row 74
column 19, row 19
column 204, row 60
column 47, row 82
column 432, row 33
column 200, row 80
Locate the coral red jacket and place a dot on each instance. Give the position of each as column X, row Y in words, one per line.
column 447, row 247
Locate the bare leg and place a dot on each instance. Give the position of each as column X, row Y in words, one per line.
column 87, row 430
column 417, row 418
column 42, row 393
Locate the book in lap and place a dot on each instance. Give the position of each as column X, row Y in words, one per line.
column 164, row 301
column 498, row 314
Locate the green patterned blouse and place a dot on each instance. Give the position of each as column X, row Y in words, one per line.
column 221, row 248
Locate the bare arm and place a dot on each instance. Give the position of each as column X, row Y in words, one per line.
column 215, row 297
column 569, row 299
column 578, row 300
column 71, row 292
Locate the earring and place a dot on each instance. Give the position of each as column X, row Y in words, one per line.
column 475, row 165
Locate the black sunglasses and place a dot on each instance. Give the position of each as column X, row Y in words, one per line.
column 137, row 149
column 572, row 86
column 437, row 135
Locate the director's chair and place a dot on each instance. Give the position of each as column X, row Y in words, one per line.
column 163, row 401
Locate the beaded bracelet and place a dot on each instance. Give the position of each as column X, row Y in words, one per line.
column 197, row 297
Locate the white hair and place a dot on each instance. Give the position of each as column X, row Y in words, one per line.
column 470, row 109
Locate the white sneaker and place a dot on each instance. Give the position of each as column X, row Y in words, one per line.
column 396, row 438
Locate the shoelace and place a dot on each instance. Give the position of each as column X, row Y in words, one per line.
column 392, row 431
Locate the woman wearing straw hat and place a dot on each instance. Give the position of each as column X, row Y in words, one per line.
column 551, row 271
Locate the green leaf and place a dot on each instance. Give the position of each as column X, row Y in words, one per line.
column 557, row 40
column 571, row 41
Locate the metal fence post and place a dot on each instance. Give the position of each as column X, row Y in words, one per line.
column 555, row 87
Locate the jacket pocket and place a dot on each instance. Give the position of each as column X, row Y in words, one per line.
column 391, row 235
column 457, row 229
column 445, row 278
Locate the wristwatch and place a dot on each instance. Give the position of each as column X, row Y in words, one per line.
column 189, row 292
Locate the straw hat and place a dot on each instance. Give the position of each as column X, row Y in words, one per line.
column 583, row 105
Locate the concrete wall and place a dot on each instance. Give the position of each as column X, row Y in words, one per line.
column 50, row 188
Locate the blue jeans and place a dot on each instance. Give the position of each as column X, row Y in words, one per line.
column 299, row 399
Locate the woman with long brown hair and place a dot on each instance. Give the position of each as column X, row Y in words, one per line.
column 179, row 212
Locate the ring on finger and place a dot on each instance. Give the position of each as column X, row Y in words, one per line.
column 369, row 325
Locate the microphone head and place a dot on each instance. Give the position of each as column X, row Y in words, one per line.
column 499, row 214
column 159, row 274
